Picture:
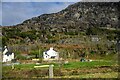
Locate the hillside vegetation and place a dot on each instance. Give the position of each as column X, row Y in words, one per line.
column 81, row 27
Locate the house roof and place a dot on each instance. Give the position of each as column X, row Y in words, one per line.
column 51, row 52
column 8, row 53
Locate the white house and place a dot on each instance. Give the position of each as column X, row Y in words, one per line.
column 50, row 54
column 7, row 56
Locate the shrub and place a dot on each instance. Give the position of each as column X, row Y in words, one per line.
column 71, row 33
column 20, row 57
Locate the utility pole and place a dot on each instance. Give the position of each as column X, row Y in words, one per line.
column 118, row 45
column 118, row 51
column 39, row 53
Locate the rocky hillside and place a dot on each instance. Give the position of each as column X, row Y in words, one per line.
column 77, row 20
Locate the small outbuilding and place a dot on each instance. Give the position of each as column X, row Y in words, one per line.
column 50, row 54
column 7, row 56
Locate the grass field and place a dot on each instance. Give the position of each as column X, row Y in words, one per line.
column 71, row 65
column 94, row 69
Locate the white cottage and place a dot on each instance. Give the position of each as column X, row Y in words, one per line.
column 50, row 54
column 7, row 56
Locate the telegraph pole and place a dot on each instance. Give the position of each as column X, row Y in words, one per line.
column 118, row 51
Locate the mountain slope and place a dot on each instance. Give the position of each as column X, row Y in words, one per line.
column 76, row 18
column 86, row 14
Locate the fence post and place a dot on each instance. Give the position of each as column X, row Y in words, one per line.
column 51, row 71
column 13, row 66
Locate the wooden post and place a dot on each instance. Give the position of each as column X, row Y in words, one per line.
column 39, row 54
column 51, row 71
column 12, row 66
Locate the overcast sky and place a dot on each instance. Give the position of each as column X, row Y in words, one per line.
column 16, row 12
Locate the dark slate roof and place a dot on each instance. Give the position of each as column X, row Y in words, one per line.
column 4, row 48
column 46, row 53
column 8, row 53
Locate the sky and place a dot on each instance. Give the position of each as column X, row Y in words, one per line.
column 40, row 0
column 0, row 13
column 16, row 12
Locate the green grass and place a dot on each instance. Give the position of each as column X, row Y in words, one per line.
column 92, row 69
column 69, row 65
column 89, row 64
column 18, row 67
column 96, row 75
column 24, row 66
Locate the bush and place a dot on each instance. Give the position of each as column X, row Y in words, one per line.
column 50, row 41
column 71, row 33
column 20, row 57
column 37, row 53
column 93, row 31
column 4, row 41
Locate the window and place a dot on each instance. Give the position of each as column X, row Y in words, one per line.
column 52, row 57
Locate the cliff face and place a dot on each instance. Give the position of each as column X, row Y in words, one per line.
column 76, row 18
